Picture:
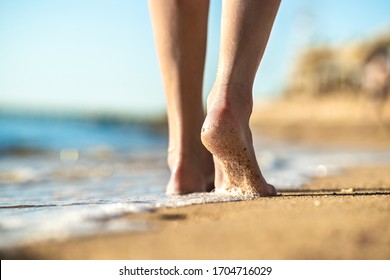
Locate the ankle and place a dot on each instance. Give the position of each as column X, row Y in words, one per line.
column 189, row 155
column 234, row 97
column 176, row 159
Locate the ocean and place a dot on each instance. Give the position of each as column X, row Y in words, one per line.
column 68, row 177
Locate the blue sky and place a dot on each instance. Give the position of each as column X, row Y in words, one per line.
column 91, row 55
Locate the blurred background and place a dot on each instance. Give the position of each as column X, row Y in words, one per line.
column 79, row 80
column 98, row 57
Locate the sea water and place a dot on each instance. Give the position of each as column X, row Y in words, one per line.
column 68, row 177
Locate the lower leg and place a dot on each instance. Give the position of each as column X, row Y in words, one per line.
column 180, row 29
column 246, row 26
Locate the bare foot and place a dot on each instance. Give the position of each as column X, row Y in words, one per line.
column 190, row 172
column 226, row 134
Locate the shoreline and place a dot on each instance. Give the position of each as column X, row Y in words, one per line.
column 338, row 217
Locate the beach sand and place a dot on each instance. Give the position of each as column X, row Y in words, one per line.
column 336, row 121
column 341, row 217
column 345, row 216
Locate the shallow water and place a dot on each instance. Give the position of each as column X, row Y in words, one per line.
column 67, row 177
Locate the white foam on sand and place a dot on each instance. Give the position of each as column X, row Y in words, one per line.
column 28, row 223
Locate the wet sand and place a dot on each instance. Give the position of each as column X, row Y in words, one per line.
column 346, row 216
column 341, row 217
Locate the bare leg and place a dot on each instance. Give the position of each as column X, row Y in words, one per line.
column 180, row 29
column 246, row 26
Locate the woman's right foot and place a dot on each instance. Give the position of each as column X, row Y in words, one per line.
column 226, row 134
